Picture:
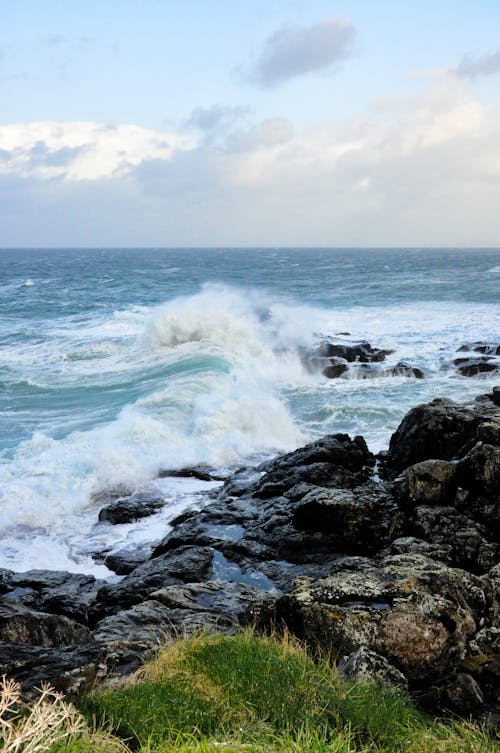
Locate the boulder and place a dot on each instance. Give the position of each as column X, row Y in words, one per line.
column 405, row 370
column 18, row 624
column 130, row 509
column 430, row 482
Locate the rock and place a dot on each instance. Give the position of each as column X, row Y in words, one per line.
column 361, row 351
column 71, row 670
column 62, row 593
column 479, row 470
column 125, row 560
column 366, row 665
column 335, row 368
column 200, row 472
column 470, row 367
column 130, row 509
column 430, row 482
column 18, row 624
column 404, row 369
column 417, row 613
column 496, row 396
column 463, row 693
column 335, row 460
column 439, row 430
column 490, row 349
column 358, row 521
column 183, row 565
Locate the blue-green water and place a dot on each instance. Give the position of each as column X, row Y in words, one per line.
column 116, row 363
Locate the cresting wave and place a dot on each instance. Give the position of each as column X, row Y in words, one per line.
column 215, row 378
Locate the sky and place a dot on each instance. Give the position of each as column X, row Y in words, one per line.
column 249, row 123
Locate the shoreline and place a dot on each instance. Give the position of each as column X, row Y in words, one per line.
column 397, row 576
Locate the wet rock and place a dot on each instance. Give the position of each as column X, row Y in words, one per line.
column 470, row 367
column 200, row 472
column 18, row 624
column 361, row 351
column 430, row 482
column 488, row 348
column 335, row 368
column 60, row 593
column 440, row 430
column 130, row 509
column 125, row 560
column 334, row 460
column 71, row 670
column 356, row 521
column 182, row 565
column 405, row 370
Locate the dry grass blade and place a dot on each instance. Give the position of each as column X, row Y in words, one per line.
column 34, row 729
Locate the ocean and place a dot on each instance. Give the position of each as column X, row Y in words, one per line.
column 117, row 363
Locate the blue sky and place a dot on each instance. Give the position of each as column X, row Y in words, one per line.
column 249, row 123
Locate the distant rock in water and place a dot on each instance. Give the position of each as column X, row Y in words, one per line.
column 472, row 365
column 357, row 360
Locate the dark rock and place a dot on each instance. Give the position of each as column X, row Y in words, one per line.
column 471, row 367
column 361, row 351
column 496, row 395
column 463, row 693
column 71, row 670
column 404, row 369
column 479, row 470
column 62, row 593
column 490, row 349
column 358, row 521
column 336, row 367
column 125, row 560
column 440, row 430
column 431, row 482
column 18, row 624
column 183, row 565
column 200, row 472
column 130, row 509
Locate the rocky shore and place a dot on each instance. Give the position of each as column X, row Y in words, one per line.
column 391, row 563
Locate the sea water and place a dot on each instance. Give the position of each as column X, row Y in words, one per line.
column 118, row 363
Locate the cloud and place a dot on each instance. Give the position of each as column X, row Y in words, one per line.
column 82, row 151
column 482, row 65
column 215, row 117
column 294, row 52
column 428, row 176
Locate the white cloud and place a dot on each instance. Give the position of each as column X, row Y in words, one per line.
column 82, row 151
column 426, row 172
column 294, row 52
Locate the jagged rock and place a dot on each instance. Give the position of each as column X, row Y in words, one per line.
column 430, row 482
column 463, row 693
column 489, row 349
column 130, row 509
column 69, row 594
column 416, row 613
column 183, row 565
column 404, row 369
column 125, row 560
column 200, row 472
column 18, row 624
column 365, row 665
column 358, row 521
column 438, row 430
column 470, row 367
column 479, row 470
column 361, row 351
column 71, row 670
column 335, row 368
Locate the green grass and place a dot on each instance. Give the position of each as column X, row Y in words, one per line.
column 244, row 694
